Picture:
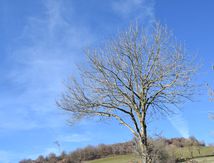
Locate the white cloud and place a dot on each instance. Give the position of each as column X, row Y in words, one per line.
column 57, row 145
column 125, row 7
column 51, row 150
column 5, row 157
column 9, row 156
column 74, row 138
column 180, row 124
column 51, row 48
column 48, row 49
column 137, row 9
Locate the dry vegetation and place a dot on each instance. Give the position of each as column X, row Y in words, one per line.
column 163, row 150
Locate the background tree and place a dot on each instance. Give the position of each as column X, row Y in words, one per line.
column 139, row 74
column 211, row 97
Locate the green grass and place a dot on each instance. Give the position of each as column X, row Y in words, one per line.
column 179, row 152
column 205, row 160
column 116, row 159
column 186, row 152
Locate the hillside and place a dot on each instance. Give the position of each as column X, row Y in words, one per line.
column 163, row 149
column 203, row 157
column 129, row 159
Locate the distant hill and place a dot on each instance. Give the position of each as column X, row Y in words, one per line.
column 177, row 148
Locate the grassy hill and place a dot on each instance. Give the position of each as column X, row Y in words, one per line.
column 201, row 155
column 131, row 159
column 162, row 149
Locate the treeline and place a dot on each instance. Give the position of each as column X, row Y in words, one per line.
column 101, row 151
column 87, row 153
column 183, row 142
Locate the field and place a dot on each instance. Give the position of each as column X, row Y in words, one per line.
column 197, row 154
column 205, row 160
column 193, row 152
column 115, row 159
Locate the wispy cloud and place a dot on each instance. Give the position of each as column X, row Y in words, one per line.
column 9, row 156
column 44, row 56
column 180, row 124
column 74, row 138
column 5, row 156
column 51, row 150
column 125, row 7
column 137, row 9
column 57, row 146
column 50, row 47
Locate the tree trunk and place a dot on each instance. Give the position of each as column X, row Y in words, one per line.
column 145, row 154
column 144, row 146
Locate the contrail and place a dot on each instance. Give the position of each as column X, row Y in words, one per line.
column 180, row 124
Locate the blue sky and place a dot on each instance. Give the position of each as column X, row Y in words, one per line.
column 42, row 41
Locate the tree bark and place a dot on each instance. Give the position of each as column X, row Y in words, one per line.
column 145, row 153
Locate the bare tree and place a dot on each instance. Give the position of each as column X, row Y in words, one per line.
column 139, row 74
column 211, row 98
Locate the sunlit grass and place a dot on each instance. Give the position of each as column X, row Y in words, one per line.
column 116, row 159
column 205, row 160
column 196, row 152
column 178, row 152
